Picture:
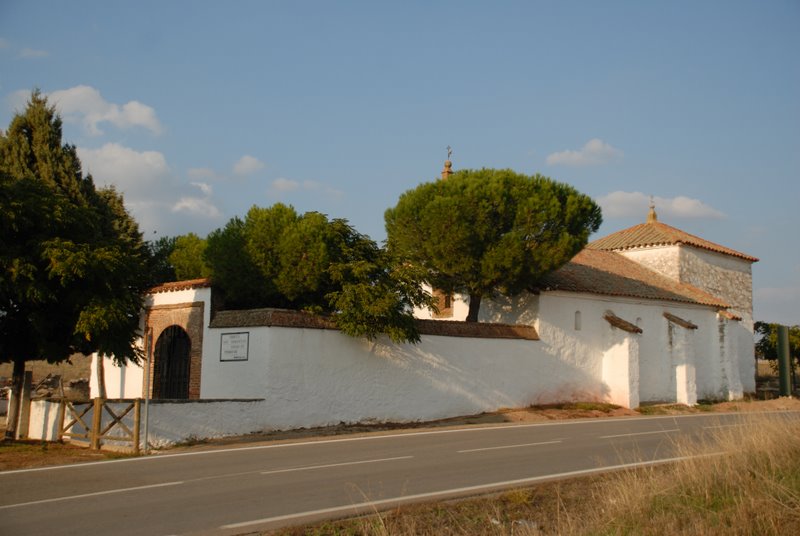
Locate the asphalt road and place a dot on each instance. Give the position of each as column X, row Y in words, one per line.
column 240, row 490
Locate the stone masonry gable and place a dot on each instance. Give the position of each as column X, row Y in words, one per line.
column 609, row 273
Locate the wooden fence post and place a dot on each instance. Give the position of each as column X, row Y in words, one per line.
column 137, row 407
column 97, row 419
column 62, row 411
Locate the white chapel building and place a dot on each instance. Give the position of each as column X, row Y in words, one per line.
column 647, row 314
column 674, row 310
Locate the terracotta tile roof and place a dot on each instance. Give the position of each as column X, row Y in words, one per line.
column 300, row 319
column 729, row 315
column 269, row 317
column 181, row 285
column 606, row 272
column 659, row 234
column 478, row 330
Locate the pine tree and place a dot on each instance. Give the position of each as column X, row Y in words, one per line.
column 485, row 231
column 73, row 265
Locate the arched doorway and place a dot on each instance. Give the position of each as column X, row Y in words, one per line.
column 171, row 364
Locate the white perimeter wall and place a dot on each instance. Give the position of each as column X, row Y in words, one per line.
column 312, row 377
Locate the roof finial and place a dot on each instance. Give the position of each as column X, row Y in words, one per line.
column 651, row 216
column 448, row 165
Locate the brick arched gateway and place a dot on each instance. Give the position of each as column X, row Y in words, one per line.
column 172, row 364
column 189, row 318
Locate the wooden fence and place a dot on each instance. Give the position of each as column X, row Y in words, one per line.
column 95, row 432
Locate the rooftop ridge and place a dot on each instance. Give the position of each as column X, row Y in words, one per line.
column 174, row 286
column 656, row 233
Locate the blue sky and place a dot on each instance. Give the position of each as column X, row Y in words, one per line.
column 198, row 110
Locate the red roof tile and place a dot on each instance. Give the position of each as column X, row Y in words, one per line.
column 174, row 286
column 606, row 272
column 659, row 234
column 301, row 319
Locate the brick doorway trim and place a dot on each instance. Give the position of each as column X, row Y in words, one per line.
column 188, row 316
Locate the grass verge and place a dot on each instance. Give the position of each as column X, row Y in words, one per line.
column 23, row 454
column 738, row 480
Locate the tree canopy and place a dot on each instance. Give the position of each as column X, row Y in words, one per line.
column 186, row 257
column 767, row 344
column 276, row 257
column 72, row 260
column 484, row 231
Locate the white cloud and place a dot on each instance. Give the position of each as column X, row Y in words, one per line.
column 84, row 104
column 285, row 185
column 200, row 206
column 621, row 204
column 204, row 187
column 154, row 195
column 30, row 53
column 595, row 152
column 131, row 172
column 247, row 165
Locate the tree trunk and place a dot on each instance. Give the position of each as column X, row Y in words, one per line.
column 474, row 307
column 15, row 398
column 101, row 375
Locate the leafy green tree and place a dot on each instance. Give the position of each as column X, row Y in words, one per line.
column 375, row 296
column 187, row 257
column 484, row 231
column 264, row 229
column 238, row 277
column 159, row 268
column 767, row 344
column 73, row 263
column 312, row 263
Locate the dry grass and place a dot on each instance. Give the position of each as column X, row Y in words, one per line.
column 742, row 479
column 25, row 454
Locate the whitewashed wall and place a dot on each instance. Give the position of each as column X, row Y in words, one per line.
column 724, row 276
column 555, row 314
column 121, row 382
column 311, row 377
column 43, row 423
column 662, row 259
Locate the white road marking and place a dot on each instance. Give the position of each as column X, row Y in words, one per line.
column 377, row 436
column 725, row 426
column 94, row 494
column 371, row 505
column 641, row 433
column 511, row 446
column 342, row 464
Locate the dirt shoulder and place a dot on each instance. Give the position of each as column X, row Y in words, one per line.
column 29, row 454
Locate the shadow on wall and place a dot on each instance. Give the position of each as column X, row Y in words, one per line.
column 520, row 309
column 487, row 375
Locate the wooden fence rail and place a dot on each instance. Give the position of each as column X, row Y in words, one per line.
column 95, row 433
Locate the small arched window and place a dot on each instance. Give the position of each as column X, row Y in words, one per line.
column 577, row 320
